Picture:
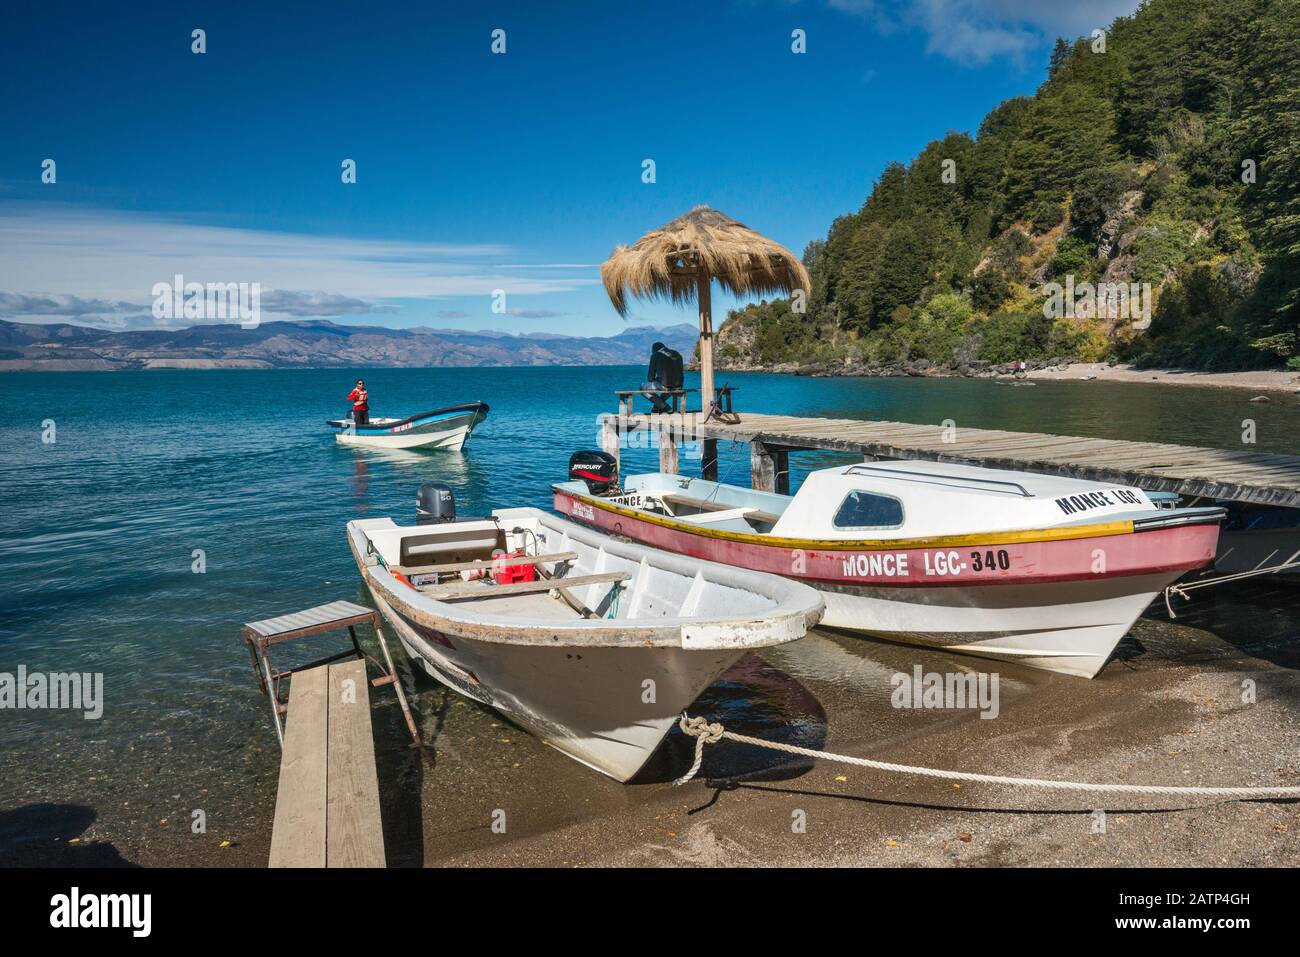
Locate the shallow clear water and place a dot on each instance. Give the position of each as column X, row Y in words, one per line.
column 99, row 529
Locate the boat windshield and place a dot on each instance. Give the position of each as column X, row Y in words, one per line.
column 868, row 510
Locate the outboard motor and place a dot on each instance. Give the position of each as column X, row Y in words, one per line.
column 435, row 503
column 598, row 469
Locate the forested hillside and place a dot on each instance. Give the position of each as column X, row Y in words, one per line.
column 1171, row 157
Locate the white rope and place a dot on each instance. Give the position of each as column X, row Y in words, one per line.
column 1182, row 590
column 705, row 732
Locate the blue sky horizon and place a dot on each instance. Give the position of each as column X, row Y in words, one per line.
column 476, row 170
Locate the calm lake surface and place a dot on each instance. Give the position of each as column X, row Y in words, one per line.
column 101, row 530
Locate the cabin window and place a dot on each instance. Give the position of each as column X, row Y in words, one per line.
column 868, row 510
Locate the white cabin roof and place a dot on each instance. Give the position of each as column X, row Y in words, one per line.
column 940, row 498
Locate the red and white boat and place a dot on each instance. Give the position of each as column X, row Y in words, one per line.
column 1047, row 571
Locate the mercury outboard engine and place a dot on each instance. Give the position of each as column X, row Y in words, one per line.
column 598, row 469
column 435, row 503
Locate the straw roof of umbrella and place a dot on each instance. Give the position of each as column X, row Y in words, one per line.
column 668, row 262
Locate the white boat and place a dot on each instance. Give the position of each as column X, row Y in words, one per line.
column 440, row 429
column 600, row 653
column 1047, row 571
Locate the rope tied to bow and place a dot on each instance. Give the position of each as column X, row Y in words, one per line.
column 706, row 732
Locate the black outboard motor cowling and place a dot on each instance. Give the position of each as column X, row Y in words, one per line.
column 598, row 469
column 435, row 503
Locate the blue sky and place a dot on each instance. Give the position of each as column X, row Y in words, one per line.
column 475, row 171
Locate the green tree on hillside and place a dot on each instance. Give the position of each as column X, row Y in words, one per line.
column 1125, row 165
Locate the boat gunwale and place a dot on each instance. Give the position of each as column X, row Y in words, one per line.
column 1008, row 537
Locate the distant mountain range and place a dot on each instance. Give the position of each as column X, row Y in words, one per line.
column 317, row 343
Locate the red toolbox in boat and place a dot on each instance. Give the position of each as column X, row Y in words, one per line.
column 505, row 574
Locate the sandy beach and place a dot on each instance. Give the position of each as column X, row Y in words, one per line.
column 1267, row 380
column 1168, row 709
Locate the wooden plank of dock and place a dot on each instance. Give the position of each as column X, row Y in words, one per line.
column 327, row 807
column 1245, row 476
column 298, row 835
column 354, row 828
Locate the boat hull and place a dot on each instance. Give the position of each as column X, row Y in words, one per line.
column 588, row 703
column 1045, row 599
column 603, row 687
column 434, row 430
column 1067, row 627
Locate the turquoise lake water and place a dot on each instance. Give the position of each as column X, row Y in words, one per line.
column 99, row 528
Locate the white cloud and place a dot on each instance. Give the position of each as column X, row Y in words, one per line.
column 535, row 313
column 16, row 304
column 319, row 304
column 977, row 31
column 52, row 257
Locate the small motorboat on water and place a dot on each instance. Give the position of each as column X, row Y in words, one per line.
column 1047, row 571
column 593, row 644
column 440, row 428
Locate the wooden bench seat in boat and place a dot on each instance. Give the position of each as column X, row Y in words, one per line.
column 409, row 570
column 705, row 505
column 452, row 590
column 327, row 806
column 435, row 544
column 724, row 515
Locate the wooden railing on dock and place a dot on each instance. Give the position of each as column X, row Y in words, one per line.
column 1240, row 475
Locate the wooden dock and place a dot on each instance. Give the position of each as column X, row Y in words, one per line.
column 1240, row 475
column 327, row 806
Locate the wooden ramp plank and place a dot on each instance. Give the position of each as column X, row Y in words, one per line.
column 355, row 836
column 298, row 835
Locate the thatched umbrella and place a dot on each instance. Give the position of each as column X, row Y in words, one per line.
column 680, row 261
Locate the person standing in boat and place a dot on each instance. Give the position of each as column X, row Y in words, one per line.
column 360, row 400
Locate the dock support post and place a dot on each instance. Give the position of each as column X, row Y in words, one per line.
column 769, row 468
column 709, row 459
column 609, row 440
column 667, row 449
column 762, row 470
